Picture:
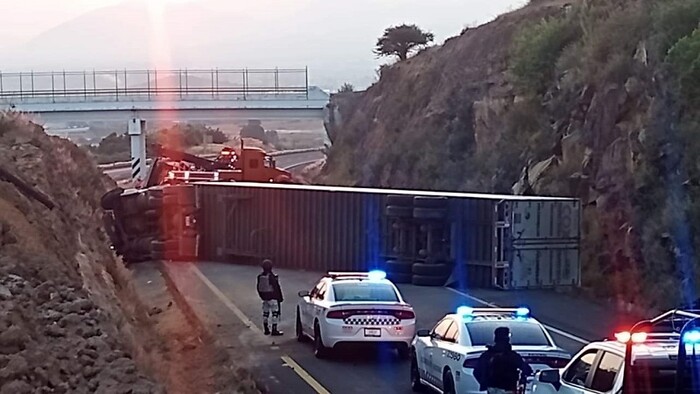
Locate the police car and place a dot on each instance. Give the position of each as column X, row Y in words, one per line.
column 647, row 359
column 355, row 307
column 444, row 357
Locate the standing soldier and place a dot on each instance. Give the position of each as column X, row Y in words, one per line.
column 271, row 295
column 500, row 370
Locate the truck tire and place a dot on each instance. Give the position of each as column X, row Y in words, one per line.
column 398, row 266
column 431, row 269
column 398, row 212
column 423, row 280
column 157, row 246
column 399, row 200
column 430, row 202
column 154, row 202
column 399, row 278
column 110, row 200
column 429, row 213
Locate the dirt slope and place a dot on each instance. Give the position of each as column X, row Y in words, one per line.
column 70, row 320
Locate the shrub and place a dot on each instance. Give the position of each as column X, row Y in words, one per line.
column 673, row 20
column 536, row 50
column 684, row 58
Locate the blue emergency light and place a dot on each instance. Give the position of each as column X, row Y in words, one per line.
column 376, row 275
column 465, row 311
column 692, row 337
column 522, row 312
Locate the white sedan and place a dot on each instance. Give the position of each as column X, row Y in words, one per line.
column 444, row 358
column 355, row 307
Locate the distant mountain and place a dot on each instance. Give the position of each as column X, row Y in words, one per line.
column 335, row 39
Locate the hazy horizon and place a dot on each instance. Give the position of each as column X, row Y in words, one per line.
column 334, row 40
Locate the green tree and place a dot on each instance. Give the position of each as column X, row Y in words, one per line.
column 401, row 40
column 346, row 88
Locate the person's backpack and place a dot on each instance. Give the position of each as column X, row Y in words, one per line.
column 265, row 284
column 501, row 369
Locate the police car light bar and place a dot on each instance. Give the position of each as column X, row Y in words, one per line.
column 469, row 311
column 371, row 275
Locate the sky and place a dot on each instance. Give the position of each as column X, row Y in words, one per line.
column 333, row 38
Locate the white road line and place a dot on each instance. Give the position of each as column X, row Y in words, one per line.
column 550, row 328
column 230, row 305
column 305, row 376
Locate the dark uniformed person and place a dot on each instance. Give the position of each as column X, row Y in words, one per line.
column 500, row 369
column 270, row 293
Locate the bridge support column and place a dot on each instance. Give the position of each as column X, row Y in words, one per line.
column 137, row 135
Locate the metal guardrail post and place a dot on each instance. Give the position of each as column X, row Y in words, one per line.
column 277, row 80
column 2, row 90
column 53, row 87
column 217, row 82
column 306, row 74
column 65, row 93
column 148, row 83
column 85, row 84
column 94, row 83
column 126, row 84
column 21, row 93
column 245, row 83
column 32, row 82
column 116, row 83
column 187, row 85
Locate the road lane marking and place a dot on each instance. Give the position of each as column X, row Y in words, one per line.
column 550, row 328
column 230, row 305
column 305, row 376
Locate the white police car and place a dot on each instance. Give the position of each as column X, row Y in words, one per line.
column 355, row 307
column 444, row 357
column 643, row 361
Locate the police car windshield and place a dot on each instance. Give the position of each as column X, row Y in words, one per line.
column 365, row 291
column 522, row 333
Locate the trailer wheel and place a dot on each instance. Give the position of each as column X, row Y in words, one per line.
column 423, row 280
column 430, row 202
column 399, row 278
column 398, row 266
column 399, row 200
column 398, row 212
column 432, row 269
column 429, row 213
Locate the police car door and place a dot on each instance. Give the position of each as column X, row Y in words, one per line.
column 434, row 360
column 308, row 309
column 578, row 376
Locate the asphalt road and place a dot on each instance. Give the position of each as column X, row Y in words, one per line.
column 224, row 295
column 285, row 161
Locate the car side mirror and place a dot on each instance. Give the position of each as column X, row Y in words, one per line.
column 552, row 377
column 303, row 293
column 423, row 333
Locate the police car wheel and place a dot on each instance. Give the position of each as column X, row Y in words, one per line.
column 299, row 331
column 404, row 352
column 448, row 383
column 416, row 385
column 320, row 350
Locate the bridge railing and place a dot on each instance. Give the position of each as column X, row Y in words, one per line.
column 138, row 85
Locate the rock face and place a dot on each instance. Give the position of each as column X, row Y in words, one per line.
column 604, row 128
column 66, row 322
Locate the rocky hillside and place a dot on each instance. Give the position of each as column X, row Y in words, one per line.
column 70, row 320
column 593, row 99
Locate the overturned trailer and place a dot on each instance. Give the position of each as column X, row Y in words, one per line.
column 427, row 238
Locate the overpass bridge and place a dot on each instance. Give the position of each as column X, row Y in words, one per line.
column 170, row 95
column 138, row 96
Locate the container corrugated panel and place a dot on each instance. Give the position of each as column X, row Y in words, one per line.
column 545, row 244
column 301, row 229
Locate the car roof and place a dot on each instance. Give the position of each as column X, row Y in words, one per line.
column 490, row 317
column 644, row 351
